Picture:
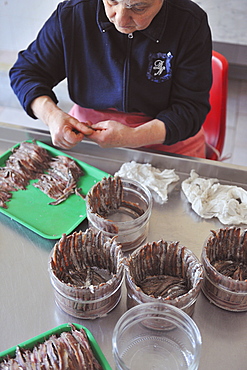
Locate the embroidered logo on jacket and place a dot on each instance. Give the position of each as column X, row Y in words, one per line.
column 159, row 67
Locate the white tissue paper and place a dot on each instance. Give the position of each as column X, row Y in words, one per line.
column 156, row 180
column 211, row 199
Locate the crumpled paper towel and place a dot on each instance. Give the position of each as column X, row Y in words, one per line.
column 156, row 180
column 211, row 199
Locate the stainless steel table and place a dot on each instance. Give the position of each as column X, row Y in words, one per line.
column 27, row 301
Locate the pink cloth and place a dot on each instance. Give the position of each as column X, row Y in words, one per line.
column 194, row 146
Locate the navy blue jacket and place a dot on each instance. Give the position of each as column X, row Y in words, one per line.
column 163, row 71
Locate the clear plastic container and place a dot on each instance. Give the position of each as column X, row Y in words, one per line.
column 160, row 259
column 95, row 253
column 129, row 221
column 156, row 336
column 228, row 246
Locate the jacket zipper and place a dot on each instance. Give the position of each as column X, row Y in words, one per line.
column 127, row 72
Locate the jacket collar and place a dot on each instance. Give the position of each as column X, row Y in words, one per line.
column 154, row 31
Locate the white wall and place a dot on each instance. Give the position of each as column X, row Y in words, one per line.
column 227, row 19
column 20, row 20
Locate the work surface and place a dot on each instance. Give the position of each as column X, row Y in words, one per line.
column 27, row 300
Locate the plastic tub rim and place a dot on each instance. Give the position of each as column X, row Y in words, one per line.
column 144, row 307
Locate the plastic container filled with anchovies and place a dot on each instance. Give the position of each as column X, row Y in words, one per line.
column 122, row 208
column 164, row 272
column 224, row 257
column 87, row 273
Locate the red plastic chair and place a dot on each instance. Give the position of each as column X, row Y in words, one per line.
column 215, row 123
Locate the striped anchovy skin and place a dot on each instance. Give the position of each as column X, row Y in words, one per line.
column 57, row 176
column 69, row 351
